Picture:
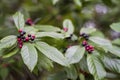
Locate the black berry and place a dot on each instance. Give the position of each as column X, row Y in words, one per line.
column 29, row 35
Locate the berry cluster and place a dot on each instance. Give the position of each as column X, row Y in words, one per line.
column 85, row 36
column 22, row 38
column 29, row 22
column 88, row 48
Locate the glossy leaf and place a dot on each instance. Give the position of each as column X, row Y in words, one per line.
column 11, row 53
column 71, row 72
column 78, row 2
column 87, row 30
column 68, row 24
column 95, row 67
column 19, row 20
column 30, row 30
column 115, row 27
column 29, row 55
column 52, row 53
column 112, row 64
column 8, row 42
column 116, row 41
column 47, row 28
column 114, row 50
column 54, row 1
column 44, row 62
column 74, row 54
column 100, row 41
column 50, row 34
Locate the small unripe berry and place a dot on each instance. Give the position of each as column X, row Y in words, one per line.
column 65, row 29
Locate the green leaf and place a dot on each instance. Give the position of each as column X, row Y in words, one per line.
column 52, row 53
column 50, row 34
column 57, row 76
column 44, row 62
column 29, row 55
column 116, row 41
column 74, row 54
column 81, row 77
column 54, row 1
column 13, row 52
column 115, row 27
column 30, row 30
column 87, row 30
column 100, row 41
column 68, row 24
column 4, row 72
column 95, row 67
column 78, row 2
column 114, row 50
column 19, row 20
column 8, row 42
column 112, row 64
column 71, row 72
column 47, row 28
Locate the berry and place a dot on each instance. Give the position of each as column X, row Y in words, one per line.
column 24, row 32
column 23, row 37
column 20, row 30
column 32, row 39
column 20, row 46
column 18, row 36
column 29, row 22
column 84, row 43
column 33, row 36
column 65, row 29
column 27, row 38
column 29, row 35
column 91, row 47
column 19, row 39
column 20, row 42
column 87, row 48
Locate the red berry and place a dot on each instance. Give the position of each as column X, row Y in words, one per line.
column 21, row 43
column 65, row 29
column 20, row 30
column 29, row 22
column 20, row 46
column 87, row 48
column 91, row 47
column 19, row 39
column 27, row 38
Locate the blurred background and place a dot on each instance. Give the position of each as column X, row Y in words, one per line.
column 86, row 13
